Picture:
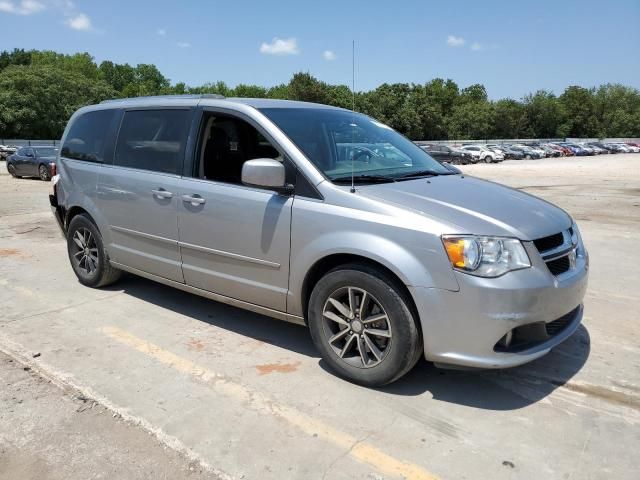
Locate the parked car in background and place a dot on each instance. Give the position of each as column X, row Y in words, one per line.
column 445, row 153
column 537, row 148
column 567, row 152
column 597, row 149
column 508, row 152
column 6, row 150
column 385, row 259
column 529, row 153
column 483, row 154
column 631, row 148
column 614, row 148
column 33, row 162
column 576, row 149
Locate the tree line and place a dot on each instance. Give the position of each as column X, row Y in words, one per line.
column 39, row 90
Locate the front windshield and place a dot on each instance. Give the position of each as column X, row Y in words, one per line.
column 338, row 140
column 46, row 151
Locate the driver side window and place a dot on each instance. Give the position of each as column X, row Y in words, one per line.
column 227, row 142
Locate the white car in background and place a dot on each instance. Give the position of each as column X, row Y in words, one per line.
column 480, row 153
column 629, row 148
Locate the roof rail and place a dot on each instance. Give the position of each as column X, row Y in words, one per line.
column 186, row 96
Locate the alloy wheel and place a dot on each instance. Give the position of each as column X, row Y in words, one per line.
column 44, row 174
column 356, row 327
column 86, row 251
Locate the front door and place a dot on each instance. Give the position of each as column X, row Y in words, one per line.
column 139, row 193
column 234, row 239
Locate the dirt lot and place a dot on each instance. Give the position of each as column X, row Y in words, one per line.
column 200, row 389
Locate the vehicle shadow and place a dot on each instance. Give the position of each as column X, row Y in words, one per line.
column 259, row 327
column 486, row 389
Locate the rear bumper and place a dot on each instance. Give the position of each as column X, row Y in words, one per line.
column 463, row 328
column 57, row 213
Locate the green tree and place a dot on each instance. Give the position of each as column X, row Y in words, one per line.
column 509, row 120
column 543, row 113
column 579, row 119
column 36, row 101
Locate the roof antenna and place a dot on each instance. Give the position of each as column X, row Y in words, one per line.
column 353, row 110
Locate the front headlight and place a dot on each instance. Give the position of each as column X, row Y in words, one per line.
column 485, row 256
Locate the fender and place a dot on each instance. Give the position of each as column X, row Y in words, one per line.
column 410, row 269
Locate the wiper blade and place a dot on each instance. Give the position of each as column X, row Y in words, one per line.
column 422, row 173
column 363, row 179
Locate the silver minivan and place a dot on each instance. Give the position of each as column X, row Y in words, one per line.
column 323, row 217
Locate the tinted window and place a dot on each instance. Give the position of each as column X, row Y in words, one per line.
column 46, row 151
column 87, row 136
column 153, row 140
column 21, row 152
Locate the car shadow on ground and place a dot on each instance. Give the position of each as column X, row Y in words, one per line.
column 486, row 389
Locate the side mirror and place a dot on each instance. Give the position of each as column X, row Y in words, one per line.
column 265, row 173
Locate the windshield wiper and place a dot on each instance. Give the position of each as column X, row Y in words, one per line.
column 363, row 179
column 421, row 174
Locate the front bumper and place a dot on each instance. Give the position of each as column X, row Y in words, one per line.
column 462, row 329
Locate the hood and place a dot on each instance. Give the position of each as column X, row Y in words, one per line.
column 474, row 206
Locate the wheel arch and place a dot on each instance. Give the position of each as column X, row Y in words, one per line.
column 327, row 263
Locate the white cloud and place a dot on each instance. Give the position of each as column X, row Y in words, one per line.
column 25, row 7
column 183, row 44
column 79, row 21
column 329, row 55
column 280, row 46
column 476, row 47
column 162, row 32
column 454, row 41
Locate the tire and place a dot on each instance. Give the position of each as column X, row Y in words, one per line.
column 93, row 270
column 12, row 170
column 43, row 173
column 390, row 352
column 488, row 159
column 527, row 157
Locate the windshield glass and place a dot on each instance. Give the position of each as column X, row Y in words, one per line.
column 46, row 151
column 335, row 139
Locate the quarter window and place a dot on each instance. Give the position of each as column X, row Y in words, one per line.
column 153, row 140
column 86, row 138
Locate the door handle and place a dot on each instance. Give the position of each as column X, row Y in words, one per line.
column 193, row 200
column 162, row 193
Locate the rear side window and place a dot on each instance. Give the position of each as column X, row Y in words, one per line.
column 153, row 140
column 87, row 137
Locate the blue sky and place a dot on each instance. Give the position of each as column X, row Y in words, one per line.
column 512, row 47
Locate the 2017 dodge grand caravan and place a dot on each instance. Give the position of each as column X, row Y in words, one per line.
column 322, row 217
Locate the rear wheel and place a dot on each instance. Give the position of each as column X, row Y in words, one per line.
column 362, row 325
column 43, row 173
column 527, row 156
column 87, row 255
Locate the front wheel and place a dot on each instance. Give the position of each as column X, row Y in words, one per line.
column 488, row 159
column 361, row 323
column 87, row 255
column 12, row 170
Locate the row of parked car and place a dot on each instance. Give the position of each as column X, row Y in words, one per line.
column 491, row 153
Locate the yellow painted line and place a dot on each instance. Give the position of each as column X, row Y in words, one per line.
column 360, row 451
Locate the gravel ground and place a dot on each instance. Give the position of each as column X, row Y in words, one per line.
column 50, row 433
